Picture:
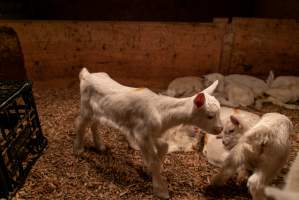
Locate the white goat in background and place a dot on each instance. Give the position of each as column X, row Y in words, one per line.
column 256, row 85
column 184, row 86
column 282, row 91
column 291, row 188
column 142, row 115
column 234, row 90
column 263, row 148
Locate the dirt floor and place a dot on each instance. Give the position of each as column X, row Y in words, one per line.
column 116, row 174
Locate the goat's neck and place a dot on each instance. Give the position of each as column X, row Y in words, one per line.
column 175, row 111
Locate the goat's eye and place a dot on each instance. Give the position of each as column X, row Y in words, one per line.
column 231, row 130
column 210, row 117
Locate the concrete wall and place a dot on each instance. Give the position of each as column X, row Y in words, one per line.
column 153, row 53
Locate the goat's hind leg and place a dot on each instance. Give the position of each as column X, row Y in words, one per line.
column 81, row 124
column 96, row 137
column 259, row 103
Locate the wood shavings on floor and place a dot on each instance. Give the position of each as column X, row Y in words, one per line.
column 116, row 174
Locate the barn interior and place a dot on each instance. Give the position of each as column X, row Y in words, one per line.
column 139, row 44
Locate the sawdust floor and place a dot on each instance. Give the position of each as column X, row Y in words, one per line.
column 117, row 174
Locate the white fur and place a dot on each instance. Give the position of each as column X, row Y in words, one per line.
column 210, row 78
column 236, row 90
column 233, row 90
column 236, row 95
column 263, row 148
column 214, row 149
column 179, row 138
column 283, row 91
column 182, row 138
column 184, row 86
column 258, row 86
column 291, row 188
column 142, row 115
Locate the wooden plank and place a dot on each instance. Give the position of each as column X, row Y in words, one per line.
column 265, row 44
column 136, row 50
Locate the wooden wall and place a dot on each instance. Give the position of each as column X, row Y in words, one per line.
column 152, row 53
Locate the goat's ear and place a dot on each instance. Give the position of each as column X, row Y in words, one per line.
column 211, row 88
column 199, row 100
column 235, row 120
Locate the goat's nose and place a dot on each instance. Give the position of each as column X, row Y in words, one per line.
column 219, row 129
column 224, row 142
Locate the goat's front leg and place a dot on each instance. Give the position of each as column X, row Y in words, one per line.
column 96, row 137
column 80, row 125
column 263, row 177
column 236, row 158
column 225, row 174
column 153, row 158
column 256, row 184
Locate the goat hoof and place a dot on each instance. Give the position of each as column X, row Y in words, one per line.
column 161, row 194
column 217, row 180
column 78, row 150
column 101, row 148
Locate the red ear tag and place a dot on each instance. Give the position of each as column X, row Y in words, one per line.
column 199, row 100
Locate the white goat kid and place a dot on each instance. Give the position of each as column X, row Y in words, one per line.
column 263, row 148
column 143, row 116
column 214, row 148
column 236, row 95
column 256, row 85
column 184, row 86
column 291, row 188
column 283, row 91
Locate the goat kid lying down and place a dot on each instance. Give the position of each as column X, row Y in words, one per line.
column 283, row 91
column 179, row 138
column 256, row 85
column 291, row 188
column 262, row 148
column 184, row 86
column 143, row 115
column 234, row 90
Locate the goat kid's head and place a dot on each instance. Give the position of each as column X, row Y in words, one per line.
column 233, row 130
column 206, row 111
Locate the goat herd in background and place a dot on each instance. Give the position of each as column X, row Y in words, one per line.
column 238, row 90
column 236, row 140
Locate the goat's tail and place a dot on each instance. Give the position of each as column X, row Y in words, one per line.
column 270, row 78
column 83, row 73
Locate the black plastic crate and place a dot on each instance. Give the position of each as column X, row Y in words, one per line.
column 21, row 138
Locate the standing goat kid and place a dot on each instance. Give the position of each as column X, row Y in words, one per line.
column 263, row 149
column 142, row 116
